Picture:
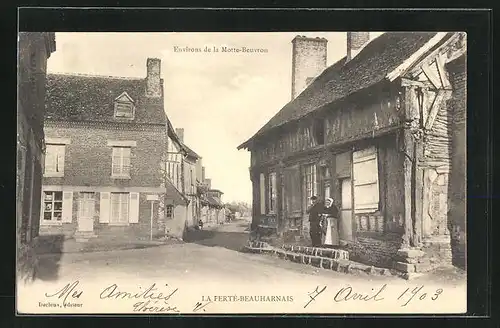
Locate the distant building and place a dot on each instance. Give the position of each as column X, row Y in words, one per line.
column 382, row 131
column 34, row 50
column 212, row 206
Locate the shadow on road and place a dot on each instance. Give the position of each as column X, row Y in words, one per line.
column 47, row 268
column 234, row 241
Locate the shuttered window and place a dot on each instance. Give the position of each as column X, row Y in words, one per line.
column 272, row 194
column 124, row 109
column 262, row 190
column 293, row 198
column 366, row 180
column 121, row 162
column 54, row 160
column 52, row 206
column 119, row 208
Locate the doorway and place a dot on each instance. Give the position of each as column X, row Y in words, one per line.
column 345, row 232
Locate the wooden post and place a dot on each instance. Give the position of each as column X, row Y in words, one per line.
column 411, row 116
column 280, row 217
column 353, row 199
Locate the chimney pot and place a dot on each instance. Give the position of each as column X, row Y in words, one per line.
column 153, row 77
column 309, row 57
column 180, row 134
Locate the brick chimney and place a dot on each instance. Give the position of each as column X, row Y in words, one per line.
column 202, row 173
column 308, row 61
column 355, row 43
column 153, row 78
column 180, row 134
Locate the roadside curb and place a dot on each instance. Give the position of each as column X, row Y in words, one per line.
column 335, row 264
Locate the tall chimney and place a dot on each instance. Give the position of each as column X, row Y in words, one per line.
column 203, row 174
column 180, row 133
column 308, row 61
column 153, row 77
column 355, row 43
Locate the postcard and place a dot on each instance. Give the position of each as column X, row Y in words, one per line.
column 241, row 173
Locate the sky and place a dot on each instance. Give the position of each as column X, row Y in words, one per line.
column 220, row 99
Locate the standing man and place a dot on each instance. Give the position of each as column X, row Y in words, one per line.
column 314, row 211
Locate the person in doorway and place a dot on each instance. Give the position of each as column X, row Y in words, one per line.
column 331, row 217
column 314, row 212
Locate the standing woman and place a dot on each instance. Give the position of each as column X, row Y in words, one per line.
column 331, row 212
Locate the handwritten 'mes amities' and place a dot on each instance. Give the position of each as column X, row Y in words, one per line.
column 152, row 299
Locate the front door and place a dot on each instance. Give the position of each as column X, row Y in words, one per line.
column 345, row 232
column 86, row 212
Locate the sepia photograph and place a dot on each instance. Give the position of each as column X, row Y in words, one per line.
column 241, row 172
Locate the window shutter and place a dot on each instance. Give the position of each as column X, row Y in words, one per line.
column 60, row 158
column 262, row 194
column 104, row 207
column 67, row 207
column 366, row 184
column 134, row 208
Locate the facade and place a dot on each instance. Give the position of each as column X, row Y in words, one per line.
column 382, row 131
column 212, row 208
column 107, row 140
column 182, row 164
column 34, row 50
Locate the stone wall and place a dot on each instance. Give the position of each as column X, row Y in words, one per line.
column 375, row 249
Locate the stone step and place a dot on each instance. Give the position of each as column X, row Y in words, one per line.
column 319, row 251
column 339, row 265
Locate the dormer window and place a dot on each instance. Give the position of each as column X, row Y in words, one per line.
column 124, row 106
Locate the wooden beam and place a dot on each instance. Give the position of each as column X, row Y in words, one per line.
column 405, row 82
column 458, row 48
column 445, row 82
column 432, row 55
column 436, row 105
column 433, row 77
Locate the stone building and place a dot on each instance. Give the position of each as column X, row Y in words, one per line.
column 34, row 50
column 106, row 167
column 382, row 131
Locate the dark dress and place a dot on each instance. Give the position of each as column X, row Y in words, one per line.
column 314, row 222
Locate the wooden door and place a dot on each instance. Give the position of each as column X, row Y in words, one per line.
column 345, row 228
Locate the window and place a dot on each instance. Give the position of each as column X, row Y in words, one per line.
column 272, row 192
column 125, row 110
column 119, row 208
column 262, row 193
column 170, row 211
column 319, row 131
column 86, row 205
column 124, row 106
column 121, row 162
column 366, row 186
column 54, row 160
column 310, row 181
column 52, row 206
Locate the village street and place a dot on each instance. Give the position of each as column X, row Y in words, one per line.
column 211, row 263
column 214, row 253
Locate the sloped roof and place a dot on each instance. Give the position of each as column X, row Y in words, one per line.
column 378, row 58
column 213, row 201
column 174, row 194
column 190, row 151
column 71, row 97
column 172, row 134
